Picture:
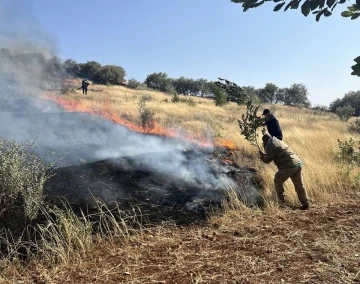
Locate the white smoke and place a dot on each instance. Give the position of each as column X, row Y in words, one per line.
column 25, row 50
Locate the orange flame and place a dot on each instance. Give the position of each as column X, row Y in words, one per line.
column 106, row 112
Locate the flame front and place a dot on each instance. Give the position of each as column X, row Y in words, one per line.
column 106, row 112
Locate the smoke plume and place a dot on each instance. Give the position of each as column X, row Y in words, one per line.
column 28, row 65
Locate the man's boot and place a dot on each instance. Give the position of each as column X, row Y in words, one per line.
column 281, row 202
column 305, row 206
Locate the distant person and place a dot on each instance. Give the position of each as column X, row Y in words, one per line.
column 84, row 86
column 272, row 124
column 289, row 166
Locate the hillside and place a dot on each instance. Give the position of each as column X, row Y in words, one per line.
column 241, row 245
column 312, row 134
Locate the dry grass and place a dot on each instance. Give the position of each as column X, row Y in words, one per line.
column 241, row 246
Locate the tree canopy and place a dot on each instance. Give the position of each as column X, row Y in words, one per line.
column 350, row 99
column 316, row 7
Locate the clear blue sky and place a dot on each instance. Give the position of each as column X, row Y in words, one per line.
column 203, row 38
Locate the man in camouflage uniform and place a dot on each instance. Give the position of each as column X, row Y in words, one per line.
column 289, row 166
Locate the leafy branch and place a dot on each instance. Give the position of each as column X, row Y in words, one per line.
column 235, row 93
column 250, row 122
column 316, row 7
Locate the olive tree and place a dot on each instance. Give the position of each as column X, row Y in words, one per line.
column 316, row 7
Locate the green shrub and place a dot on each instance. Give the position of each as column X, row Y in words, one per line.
column 191, row 102
column 220, row 97
column 147, row 116
column 146, row 98
column 345, row 112
column 355, row 126
column 22, row 177
column 348, row 151
column 175, row 98
column 133, row 84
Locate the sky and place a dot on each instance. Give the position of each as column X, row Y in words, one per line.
column 197, row 39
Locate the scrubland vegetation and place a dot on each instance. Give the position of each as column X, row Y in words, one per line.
column 241, row 245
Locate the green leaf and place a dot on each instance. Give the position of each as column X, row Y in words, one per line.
column 258, row 4
column 358, row 2
column 346, row 14
column 305, row 8
column 355, row 16
column 314, row 4
column 352, row 8
column 357, row 60
column 330, row 3
column 276, row 1
column 288, row 6
column 279, row 6
column 295, row 4
column 248, row 3
column 342, row 1
column 317, row 18
column 322, row 3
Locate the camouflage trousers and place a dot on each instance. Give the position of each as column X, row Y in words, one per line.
column 296, row 176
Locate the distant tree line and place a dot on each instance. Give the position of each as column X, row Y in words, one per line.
column 49, row 68
column 295, row 95
column 94, row 71
column 348, row 106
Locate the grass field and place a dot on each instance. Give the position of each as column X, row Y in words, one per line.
column 242, row 245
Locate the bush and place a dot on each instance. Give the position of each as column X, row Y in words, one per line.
column 147, row 119
column 66, row 90
column 133, row 84
column 176, row 99
column 110, row 74
column 348, row 152
column 355, row 126
column 159, row 81
column 191, row 102
column 220, row 97
column 22, row 177
column 146, row 98
column 320, row 110
column 345, row 112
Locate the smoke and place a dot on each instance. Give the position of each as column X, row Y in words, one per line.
column 28, row 65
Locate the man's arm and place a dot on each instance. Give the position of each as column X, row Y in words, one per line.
column 266, row 157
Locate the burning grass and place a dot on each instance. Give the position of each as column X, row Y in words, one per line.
column 106, row 108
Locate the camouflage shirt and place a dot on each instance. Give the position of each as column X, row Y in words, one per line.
column 281, row 154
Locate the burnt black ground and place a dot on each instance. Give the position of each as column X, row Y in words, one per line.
column 132, row 183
